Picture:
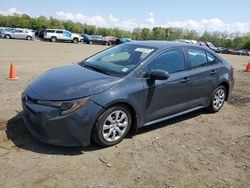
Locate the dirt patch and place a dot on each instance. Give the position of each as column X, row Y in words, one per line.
column 239, row 100
column 2, row 125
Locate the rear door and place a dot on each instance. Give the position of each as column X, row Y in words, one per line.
column 203, row 69
column 166, row 97
column 59, row 34
column 17, row 34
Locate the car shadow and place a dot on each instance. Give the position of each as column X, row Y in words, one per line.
column 172, row 121
column 22, row 138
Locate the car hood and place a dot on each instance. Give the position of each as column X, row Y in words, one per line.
column 70, row 82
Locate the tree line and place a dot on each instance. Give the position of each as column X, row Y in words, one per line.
column 224, row 39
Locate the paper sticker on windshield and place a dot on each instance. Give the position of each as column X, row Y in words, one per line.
column 124, row 69
column 144, row 50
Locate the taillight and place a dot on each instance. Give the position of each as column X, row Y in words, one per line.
column 231, row 68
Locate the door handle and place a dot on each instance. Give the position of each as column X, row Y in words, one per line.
column 213, row 72
column 184, row 80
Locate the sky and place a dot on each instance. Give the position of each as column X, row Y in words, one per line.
column 212, row 15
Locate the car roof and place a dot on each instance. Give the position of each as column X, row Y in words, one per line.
column 164, row 44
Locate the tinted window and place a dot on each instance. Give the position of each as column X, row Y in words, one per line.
column 67, row 33
column 170, row 61
column 200, row 58
column 50, row 31
column 197, row 57
column 60, row 32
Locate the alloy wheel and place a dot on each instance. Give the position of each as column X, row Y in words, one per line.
column 115, row 126
column 218, row 99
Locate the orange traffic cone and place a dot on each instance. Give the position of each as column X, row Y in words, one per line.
column 248, row 67
column 13, row 75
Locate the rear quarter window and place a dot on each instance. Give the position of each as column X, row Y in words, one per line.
column 59, row 32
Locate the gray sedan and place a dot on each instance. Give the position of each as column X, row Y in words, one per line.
column 18, row 34
column 125, row 87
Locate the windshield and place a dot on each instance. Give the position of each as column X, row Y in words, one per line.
column 118, row 60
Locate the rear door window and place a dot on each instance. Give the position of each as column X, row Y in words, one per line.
column 50, row 31
column 197, row 58
column 200, row 58
column 59, row 32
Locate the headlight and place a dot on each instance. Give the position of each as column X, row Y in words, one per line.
column 66, row 107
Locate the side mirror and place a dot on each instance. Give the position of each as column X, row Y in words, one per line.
column 159, row 75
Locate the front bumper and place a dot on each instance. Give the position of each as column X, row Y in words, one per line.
column 71, row 130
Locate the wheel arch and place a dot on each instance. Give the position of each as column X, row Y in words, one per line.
column 7, row 35
column 131, row 108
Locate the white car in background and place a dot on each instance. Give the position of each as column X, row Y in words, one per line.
column 18, row 34
column 62, row 35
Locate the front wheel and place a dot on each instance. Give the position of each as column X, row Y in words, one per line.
column 7, row 36
column 217, row 100
column 112, row 126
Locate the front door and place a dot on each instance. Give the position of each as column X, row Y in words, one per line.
column 166, row 97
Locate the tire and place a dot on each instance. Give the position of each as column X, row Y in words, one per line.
column 106, row 43
column 112, row 126
column 217, row 100
column 53, row 39
column 28, row 38
column 75, row 40
column 7, row 36
column 90, row 42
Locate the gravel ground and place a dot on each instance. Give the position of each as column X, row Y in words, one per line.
column 195, row 150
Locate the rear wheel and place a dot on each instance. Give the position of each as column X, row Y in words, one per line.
column 28, row 38
column 7, row 36
column 107, row 43
column 218, row 99
column 53, row 39
column 75, row 40
column 112, row 126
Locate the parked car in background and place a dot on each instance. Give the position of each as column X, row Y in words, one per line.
column 224, row 50
column 18, row 34
column 61, row 35
column 232, row 51
column 96, row 39
column 40, row 33
column 87, row 39
column 112, row 40
column 125, row 87
column 212, row 47
column 184, row 41
column 242, row 52
column 2, row 29
column 124, row 40
column 200, row 43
